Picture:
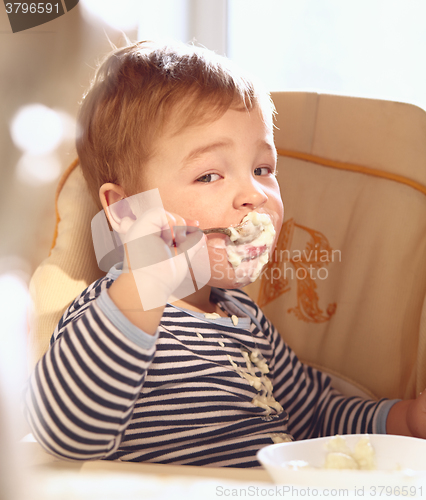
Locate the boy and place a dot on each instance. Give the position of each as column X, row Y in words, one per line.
column 138, row 370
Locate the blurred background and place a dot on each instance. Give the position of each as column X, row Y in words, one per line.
column 367, row 48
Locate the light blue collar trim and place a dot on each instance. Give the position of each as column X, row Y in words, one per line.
column 238, row 304
column 243, row 323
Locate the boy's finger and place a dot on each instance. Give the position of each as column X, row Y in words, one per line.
column 167, row 236
column 192, row 224
column 179, row 234
column 147, row 251
column 192, row 239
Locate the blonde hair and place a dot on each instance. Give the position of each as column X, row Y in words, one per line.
column 136, row 92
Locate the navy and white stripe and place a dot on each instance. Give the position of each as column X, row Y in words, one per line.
column 177, row 398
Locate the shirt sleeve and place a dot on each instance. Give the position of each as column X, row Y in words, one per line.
column 315, row 408
column 80, row 397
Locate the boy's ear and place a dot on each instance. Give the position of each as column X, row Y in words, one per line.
column 116, row 207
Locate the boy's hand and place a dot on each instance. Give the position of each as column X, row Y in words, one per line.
column 408, row 418
column 154, row 271
column 416, row 416
column 156, row 247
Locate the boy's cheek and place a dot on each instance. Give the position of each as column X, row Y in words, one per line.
column 222, row 273
column 218, row 258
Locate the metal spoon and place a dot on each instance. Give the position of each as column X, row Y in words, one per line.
column 248, row 232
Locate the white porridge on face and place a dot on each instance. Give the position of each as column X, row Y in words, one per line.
column 249, row 258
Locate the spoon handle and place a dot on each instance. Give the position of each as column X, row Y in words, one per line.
column 223, row 230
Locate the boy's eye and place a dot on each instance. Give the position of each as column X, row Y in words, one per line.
column 262, row 171
column 208, row 178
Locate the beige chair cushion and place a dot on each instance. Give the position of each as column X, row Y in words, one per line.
column 348, row 288
column 352, row 175
column 71, row 265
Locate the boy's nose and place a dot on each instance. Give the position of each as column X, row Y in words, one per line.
column 249, row 196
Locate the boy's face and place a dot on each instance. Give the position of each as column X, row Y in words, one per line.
column 216, row 173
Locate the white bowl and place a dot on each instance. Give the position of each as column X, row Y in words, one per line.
column 400, row 460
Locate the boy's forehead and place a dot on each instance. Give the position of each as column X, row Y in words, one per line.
column 178, row 148
column 177, row 123
column 214, row 133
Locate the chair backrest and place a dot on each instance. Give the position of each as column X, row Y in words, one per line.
column 71, row 265
column 347, row 285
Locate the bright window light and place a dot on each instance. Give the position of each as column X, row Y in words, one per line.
column 36, row 129
column 38, row 169
column 364, row 48
column 154, row 20
column 165, row 20
column 121, row 15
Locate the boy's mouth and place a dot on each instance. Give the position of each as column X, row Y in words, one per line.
column 248, row 259
column 253, row 226
column 254, row 252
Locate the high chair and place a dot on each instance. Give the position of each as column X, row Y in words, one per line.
column 346, row 286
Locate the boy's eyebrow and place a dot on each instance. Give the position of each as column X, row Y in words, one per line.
column 197, row 152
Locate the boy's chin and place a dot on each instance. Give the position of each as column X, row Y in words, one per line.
column 248, row 262
column 228, row 278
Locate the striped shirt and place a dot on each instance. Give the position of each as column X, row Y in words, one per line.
column 202, row 391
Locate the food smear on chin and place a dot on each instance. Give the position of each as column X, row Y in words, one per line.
column 248, row 259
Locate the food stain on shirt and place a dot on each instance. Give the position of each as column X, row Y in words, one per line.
column 262, row 383
column 280, row 437
column 211, row 315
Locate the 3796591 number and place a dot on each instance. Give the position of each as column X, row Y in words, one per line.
column 396, row 491
column 32, row 8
